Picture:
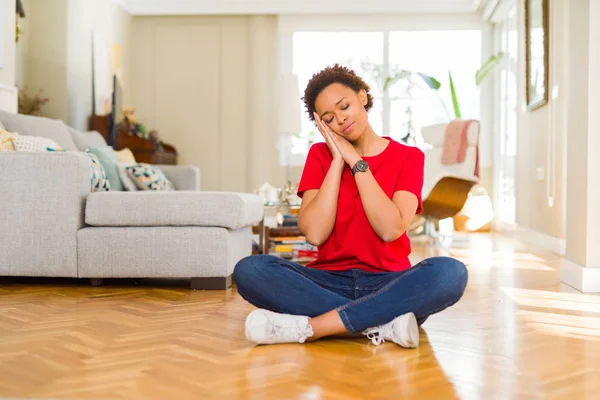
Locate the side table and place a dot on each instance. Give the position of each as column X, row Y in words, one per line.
column 263, row 230
column 266, row 232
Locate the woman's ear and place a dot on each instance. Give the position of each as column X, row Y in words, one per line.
column 362, row 96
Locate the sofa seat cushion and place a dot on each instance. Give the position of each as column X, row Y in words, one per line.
column 174, row 208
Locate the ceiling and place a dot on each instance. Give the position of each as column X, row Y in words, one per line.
column 339, row 7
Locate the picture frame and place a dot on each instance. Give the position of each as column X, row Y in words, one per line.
column 536, row 53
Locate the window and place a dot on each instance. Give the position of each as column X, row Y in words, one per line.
column 435, row 54
column 313, row 51
column 408, row 103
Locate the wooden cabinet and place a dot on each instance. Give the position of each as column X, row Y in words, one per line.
column 148, row 151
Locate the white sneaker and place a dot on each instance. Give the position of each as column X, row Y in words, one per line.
column 267, row 327
column 402, row 330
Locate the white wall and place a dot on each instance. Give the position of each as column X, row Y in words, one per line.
column 85, row 17
column 7, row 25
column 541, row 137
column 55, row 53
column 7, row 58
column 207, row 85
column 577, row 152
column 42, row 54
column 580, row 267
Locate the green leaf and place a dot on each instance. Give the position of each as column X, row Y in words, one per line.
column 430, row 81
column 398, row 75
column 454, row 97
column 488, row 67
column 388, row 82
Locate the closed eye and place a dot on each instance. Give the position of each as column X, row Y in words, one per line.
column 343, row 108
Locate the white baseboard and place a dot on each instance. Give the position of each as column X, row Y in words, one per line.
column 9, row 98
column 550, row 243
column 584, row 279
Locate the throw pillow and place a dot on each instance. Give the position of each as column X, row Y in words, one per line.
column 109, row 161
column 125, row 156
column 34, row 143
column 128, row 184
column 98, row 180
column 6, row 142
column 149, row 177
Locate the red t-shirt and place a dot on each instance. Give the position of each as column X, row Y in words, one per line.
column 353, row 243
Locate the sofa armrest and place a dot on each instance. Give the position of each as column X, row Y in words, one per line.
column 43, row 197
column 183, row 177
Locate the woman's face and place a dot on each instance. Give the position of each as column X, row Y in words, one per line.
column 343, row 110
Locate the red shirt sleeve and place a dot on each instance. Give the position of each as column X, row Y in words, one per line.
column 411, row 175
column 314, row 171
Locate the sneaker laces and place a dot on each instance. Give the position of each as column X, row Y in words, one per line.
column 375, row 335
column 291, row 329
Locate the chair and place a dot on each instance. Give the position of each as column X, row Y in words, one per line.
column 446, row 187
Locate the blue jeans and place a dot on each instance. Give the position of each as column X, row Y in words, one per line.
column 362, row 299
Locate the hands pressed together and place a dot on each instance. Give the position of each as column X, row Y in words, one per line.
column 341, row 149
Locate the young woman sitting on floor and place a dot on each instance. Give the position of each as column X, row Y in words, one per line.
column 360, row 192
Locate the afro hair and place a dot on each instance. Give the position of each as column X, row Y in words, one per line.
column 333, row 74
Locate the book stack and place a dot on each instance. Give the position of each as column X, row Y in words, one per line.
column 288, row 242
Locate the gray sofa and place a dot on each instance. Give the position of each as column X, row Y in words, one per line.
column 52, row 225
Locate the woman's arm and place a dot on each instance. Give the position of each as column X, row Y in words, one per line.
column 319, row 207
column 389, row 217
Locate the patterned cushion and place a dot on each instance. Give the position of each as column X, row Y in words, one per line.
column 34, row 143
column 98, row 180
column 108, row 160
column 6, row 142
column 148, row 177
column 128, row 183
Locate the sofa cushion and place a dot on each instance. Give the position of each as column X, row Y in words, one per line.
column 38, row 126
column 125, row 156
column 98, row 180
column 176, row 208
column 128, row 183
column 85, row 140
column 33, row 143
column 148, row 177
column 6, row 141
column 109, row 161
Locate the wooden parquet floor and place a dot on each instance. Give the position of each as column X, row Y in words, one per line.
column 517, row 334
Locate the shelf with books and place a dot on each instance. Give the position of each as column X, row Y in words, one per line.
column 288, row 242
column 279, row 235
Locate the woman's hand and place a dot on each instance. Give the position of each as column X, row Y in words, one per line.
column 327, row 135
column 341, row 149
